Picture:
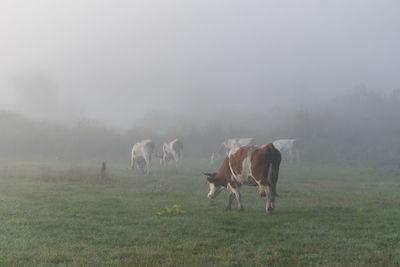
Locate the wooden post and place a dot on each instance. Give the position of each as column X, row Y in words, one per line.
column 103, row 173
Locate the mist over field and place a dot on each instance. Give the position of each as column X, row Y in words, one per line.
column 83, row 82
column 91, row 78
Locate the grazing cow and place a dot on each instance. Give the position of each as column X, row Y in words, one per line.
column 249, row 165
column 227, row 145
column 220, row 153
column 286, row 147
column 172, row 151
column 142, row 152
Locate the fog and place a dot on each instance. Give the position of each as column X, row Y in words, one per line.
column 161, row 65
column 116, row 61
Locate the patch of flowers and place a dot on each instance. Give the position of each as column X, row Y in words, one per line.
column 175, row 210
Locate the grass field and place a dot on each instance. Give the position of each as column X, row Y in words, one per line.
column 325, row 216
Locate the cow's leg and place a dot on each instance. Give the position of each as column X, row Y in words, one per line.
column 273, row 195
column 239, row 199
column 291, row 155
column 137, row 165
column 180, row 157
column 148, row 166
column 176, row 159
column 132, row 163
column 270, row 200
column 238, row 196
column 297, row 155
column 141, row 165
column 164, row 160
column 230, row 199
column 269, row 193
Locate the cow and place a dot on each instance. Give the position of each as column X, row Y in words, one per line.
column 142, row 153
column 286, row 147
column 229, row 144
column 220, row 153
column 172, row 151
column 248, row 165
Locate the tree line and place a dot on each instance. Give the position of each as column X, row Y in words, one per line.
column 357, row 127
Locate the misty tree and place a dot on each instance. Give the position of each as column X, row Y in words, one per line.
column 39, row 96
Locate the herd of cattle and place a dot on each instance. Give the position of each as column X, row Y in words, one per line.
column 144, row 151
column 244, row 164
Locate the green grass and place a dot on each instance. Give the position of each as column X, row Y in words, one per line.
column 325, row 216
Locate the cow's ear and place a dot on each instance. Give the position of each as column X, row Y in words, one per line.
column 210, row 176
column 210, row 179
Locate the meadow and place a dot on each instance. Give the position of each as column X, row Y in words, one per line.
column 326, row 215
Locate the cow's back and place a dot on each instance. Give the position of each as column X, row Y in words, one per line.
column 284, row 144
column 148, row 147
column 143, row 148
column 236, row 159
column 252, row 163
column 177, row 145
column 240, row 165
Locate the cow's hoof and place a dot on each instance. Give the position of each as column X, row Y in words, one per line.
column 228, row 208
column 241, row 209
column 270, row 210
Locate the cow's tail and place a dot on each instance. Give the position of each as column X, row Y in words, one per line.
column 274, row 162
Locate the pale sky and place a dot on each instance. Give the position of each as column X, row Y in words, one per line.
column 115, row 61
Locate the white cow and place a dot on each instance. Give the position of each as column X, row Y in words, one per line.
column 231, row 144
column 142, row 152
column 286, row 147
column 172, row 151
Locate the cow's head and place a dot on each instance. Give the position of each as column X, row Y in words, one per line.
column 141, row 163
column 166, row 158
column 215, row 188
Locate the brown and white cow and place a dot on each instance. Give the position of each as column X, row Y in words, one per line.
column 172, row 151
column 249, row 165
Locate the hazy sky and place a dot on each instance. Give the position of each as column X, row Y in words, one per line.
column 115, row 61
